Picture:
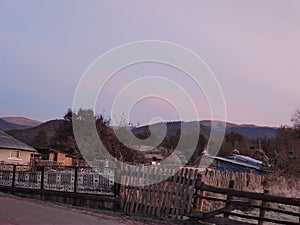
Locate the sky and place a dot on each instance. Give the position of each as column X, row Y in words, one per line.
column 252, row 47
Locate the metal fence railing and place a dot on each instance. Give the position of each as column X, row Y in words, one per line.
column 87, row 180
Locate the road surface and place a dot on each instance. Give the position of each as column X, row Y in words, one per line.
column 23, row 211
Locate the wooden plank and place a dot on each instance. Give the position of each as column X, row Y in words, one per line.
column 277, row 210
column 192, row 191
column 168, row 194
column 130, row 190
column 170, row 208
column 150, row 200
column 212, row 198
column 251, row 195
column 224, row 221
column 134, row 184
column 178, row 195
column 258, row 218
column 162, row 191
column 186, row 193
column 182, row 193
column 125, row 190
column 153, row 191
column 216, row 212
column 198, row 214
column 148, row 190
column 154, row 188
column 145, row 192
column 262, row 210
column 142, row 190
column 299, row 215
column 229, row 197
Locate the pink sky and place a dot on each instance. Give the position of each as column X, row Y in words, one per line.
column 253, row 47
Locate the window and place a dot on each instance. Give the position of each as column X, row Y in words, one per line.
column 15, row 154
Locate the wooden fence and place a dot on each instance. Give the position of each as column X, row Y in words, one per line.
column 175, row 193
column 168, row 195
column 185, row 195
column 243, row 181
column 232, row 199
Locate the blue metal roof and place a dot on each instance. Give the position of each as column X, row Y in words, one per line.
column 240, row 160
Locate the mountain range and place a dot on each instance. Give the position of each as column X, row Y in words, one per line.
column 247, row 130
column 17, row 123
column 26, row 129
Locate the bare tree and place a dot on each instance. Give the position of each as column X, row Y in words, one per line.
column 296, row 118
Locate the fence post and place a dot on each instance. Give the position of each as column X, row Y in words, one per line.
column 262, row 210
column 229, row 197
column 42, row 177
column 117, row 186
column 14, row 176
column 198, row 201
column 299, row 215
column 75, row 179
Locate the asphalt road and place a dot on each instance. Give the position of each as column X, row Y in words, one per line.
column 20, row 211
column 23, row 211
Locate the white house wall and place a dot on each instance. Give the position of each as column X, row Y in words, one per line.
column 23, row 159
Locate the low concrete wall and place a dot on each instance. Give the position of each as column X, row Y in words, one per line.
column 76, row 199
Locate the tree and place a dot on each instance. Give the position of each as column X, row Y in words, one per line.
column 40, row 140
column 234, row 140
column 92, row 144
column 201, row 145
column 296, row 118
column 285, row 154
column 64, row 138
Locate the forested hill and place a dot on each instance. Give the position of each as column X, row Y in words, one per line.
column 247, row 130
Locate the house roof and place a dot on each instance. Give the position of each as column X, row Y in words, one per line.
column 9, row 142
column 240, row 160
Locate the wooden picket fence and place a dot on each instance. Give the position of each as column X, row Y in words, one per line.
column 243, row 181
column 165, row 195
column 161, row 191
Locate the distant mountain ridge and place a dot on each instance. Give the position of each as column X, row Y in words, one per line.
column 21, row 121
column 28, row 135
column 247, row 130
column 17, row 123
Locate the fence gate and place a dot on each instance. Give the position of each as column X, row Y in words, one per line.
column 168, row 193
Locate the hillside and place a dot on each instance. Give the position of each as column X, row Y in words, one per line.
column 17, row 123
column 28, row 135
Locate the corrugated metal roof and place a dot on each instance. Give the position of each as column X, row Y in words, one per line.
column 258, row 166
column 9, row 142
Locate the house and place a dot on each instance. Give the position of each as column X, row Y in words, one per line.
column 53, row 157
column 13, row 151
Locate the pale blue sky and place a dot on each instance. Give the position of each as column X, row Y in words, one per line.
column 253, row 47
